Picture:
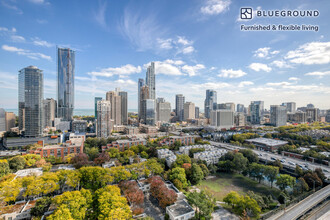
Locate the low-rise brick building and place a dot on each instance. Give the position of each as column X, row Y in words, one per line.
column 127, row 143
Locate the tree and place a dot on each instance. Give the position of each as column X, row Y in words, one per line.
column 4, row 168
column 158, row 190
column 113, row 152
column 196, row 174
column 16, row 163
column 179, row 173
column 285, row 180
column 61, row 213
column 80, row 160
column 92, row 153
column 299, row 171
column 320, row 174
column 250, row 155
column 31, row 159
column 102, row 158
column 240, row 162
column 232, row 198
column 144, row 154
column 94, row 177
column 302, row 185
column 271, row 173
column 205, row 170
column 313, row 180
column 9, row 190
column 68, row 177
column 203, row 203
column 278, row 164
column 181, row 159
column 154, row 167
column 257, row 171
column 41, row 207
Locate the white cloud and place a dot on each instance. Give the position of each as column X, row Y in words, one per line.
column 100, row 14
column 43, row 43
column 293, row 78
column 279, row 84
column 167, row 68
column 310, row 53
column 320, row 74
column 187, row 50
column 27, row 53
column 265, row 52
column 260, row 67
column 230, row 73
column 281, row 64
column 111, row 71
column 245, row 83
column 165, row 43
column 214, row 7
column 17, row 38
column 126, row 82
column 184, row 41
column 37, row 1
column 193, row 70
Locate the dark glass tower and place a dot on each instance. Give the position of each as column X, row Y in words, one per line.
column 30, row 101
column 65, row 83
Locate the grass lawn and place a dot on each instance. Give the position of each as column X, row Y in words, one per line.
column 223, row 183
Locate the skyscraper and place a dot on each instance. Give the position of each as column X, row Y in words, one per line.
column 189, row 110
column 104, row 122
column 151, row 80
column 30, row 101
column 149, row 111
column 2, row 120
column 210, row 102
column 230, row 106
column 256, row 112
column 179, row 102
column 278, row 115
column 65, row 83
column 50, row 107
column 290, row 106
column 163, row 110
column 144, row 94
column 115, row 101
column 222, row 118
column 140, row 85
column 196, row 112
column 240, row 108
column 124, row 119
column 96, row 99
column 10, row 120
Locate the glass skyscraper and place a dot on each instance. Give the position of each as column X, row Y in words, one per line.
column 30, row 101
column 151, row 81
column 150, row 111
column 210, row 102
column 65, row 83
column 96, row 99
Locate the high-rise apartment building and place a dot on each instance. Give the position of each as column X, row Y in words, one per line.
column 2, row 120
column 65, row 83
column 239, row 119
column 30, row 101
column 290, row 106
column 10, row 120
column 144, row 94
column 179, row 102
column 50, row 107
column 124, row 119
column 210, row 102
column 189, row 111
column 312, row 114
column 140, row 85
column 96, row 99
column 256, row 110
column 240, row 108
column 163, row 110
column 327, row 116
column 196, row 112
column 300, row 117
column 115, row 101
column 149, row 111
column 230, row 106
column 222, row 119
column 151, row 80
column 220, row 106
column 278, row 115
column 104, row 123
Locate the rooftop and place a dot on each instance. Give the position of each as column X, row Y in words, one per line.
column 181, row 207
column 26, row 172
column 267, row 141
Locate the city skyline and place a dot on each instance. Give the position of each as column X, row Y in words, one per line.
column 204, row 50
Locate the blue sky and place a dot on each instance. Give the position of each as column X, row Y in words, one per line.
column 197, row 45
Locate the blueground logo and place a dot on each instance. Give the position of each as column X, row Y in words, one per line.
column 246, row 13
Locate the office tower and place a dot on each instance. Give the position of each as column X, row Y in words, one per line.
column 151, row 80
column 104, row 122
column 140, row 85
column 210, row 102
column 310, row 105
column 65, row 83
column 222, row 119
column 239, row 119
column 123, row 95
column 163, row 110
column 30, row 101
column 240, row 108
column 221, row 106
column 144, row 94
column 149, row 111
column 115, row 101
column 230, row 106
column 79, row 126
column 303, row 109
column 256, row 112
column 312, row 114
column 179, row 102
column 196, row 112
column 278, row 115
column 2, row 120
column 50, row 107
column 10, row 120
column 300, row 117
column 188, row 111
column 290, row 106
column 327, row 116
column 96, row 99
